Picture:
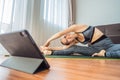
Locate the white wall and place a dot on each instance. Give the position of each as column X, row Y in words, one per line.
column 97, row 12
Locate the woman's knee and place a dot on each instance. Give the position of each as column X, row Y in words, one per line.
column 113, row 54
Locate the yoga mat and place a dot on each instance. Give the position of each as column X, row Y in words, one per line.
column 76, row 56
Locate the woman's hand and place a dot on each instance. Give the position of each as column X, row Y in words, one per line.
column 45, row 50
column 42, row 48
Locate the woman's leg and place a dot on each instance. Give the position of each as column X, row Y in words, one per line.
column 88, row 51
column 84, row 50
column 102, row 46
column 113, row 51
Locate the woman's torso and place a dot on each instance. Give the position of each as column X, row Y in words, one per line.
column 88, row 34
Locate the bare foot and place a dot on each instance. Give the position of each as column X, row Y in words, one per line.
column 47, row 52
column 100, row 54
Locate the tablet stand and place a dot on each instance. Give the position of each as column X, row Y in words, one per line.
column 25, row 64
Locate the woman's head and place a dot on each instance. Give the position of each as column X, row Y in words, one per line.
column 67, row 39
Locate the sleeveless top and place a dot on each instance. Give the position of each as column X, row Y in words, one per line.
column 88, row 34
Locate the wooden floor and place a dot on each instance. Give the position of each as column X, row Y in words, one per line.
column 69, row 69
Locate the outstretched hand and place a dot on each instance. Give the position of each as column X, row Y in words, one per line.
column 42, row 48
column 45, row 50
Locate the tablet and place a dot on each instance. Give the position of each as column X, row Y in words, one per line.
column 22, row 48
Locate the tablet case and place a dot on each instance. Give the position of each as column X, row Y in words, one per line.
column 25, row 55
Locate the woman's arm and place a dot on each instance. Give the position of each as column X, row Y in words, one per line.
column 60, row 47
column 59, row 34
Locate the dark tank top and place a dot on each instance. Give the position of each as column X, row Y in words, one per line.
column 88, row 34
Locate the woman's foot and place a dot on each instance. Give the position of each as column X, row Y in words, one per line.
column 47, row 52
column 100, row 54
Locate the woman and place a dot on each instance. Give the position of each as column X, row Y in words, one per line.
column 98, row 43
